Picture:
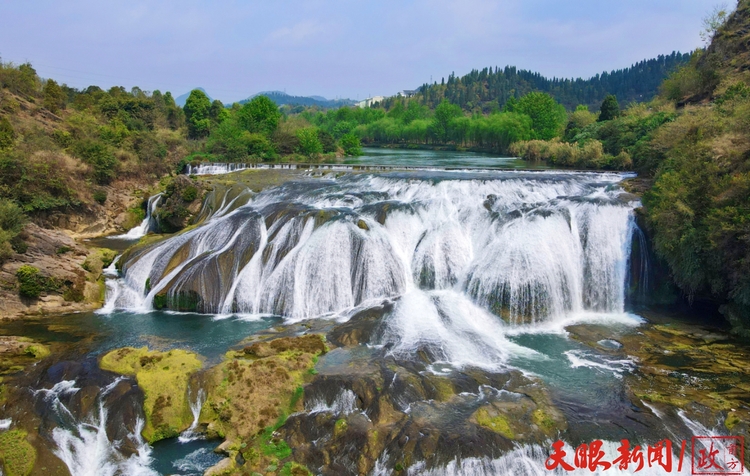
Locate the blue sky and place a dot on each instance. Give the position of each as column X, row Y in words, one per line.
column 334, row 48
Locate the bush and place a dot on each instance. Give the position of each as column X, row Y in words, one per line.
column 189, row 193
column 12, row 221
column 101, row 159
column 100, row 196
column 30, row 282
column 7, row 134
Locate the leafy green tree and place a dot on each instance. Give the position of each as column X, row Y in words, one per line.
column 7, row 134
column 259, row 115
column 351, row 145
column 28, row 80
column 197, row 110
column 413, row 112
column 342, row 128
column 327, row 141
column 218, row 113
column 309, row 144
column 54, row 98
column 441, row 121
column 578, row 120
column 101, row 159
column 547, row 116
column 610, row 109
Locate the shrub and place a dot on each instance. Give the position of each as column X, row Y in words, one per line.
column 189, row 193
column 101, row 159
column 7, row 134
column 100, row 196
column 12, row 221
column 30, row 282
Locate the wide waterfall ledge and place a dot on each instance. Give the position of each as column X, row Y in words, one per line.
column 462, row 255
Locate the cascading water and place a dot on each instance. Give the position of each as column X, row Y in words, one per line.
column 148, row 223
column 84, row 446
column 195, row 408
column 458, row 249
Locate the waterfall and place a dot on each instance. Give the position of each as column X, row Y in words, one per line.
column 518, row 248
column 146, row 225
column 83, row 445
column 344, row 403
column 195, row 407
column 214, row 168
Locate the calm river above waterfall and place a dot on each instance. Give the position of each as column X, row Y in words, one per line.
column 471, row 317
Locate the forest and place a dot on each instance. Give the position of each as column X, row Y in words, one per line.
column 489, row 89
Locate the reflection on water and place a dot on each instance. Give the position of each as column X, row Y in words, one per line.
column 438, row 158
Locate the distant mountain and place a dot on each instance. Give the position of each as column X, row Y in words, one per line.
column 284, row 99
column 180, row 100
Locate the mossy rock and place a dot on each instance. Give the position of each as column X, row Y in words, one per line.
column 163, row 376
column 251, row 393
column 16, row 453
column 494, row 422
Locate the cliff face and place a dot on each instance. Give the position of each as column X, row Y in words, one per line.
column 730, row 48
column 726, row 61
column 69, row 275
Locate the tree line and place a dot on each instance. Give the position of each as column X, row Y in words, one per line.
column 490, row 88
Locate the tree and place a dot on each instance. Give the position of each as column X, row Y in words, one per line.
column 197, row 109
column 350, row 144
column 610, row 109
column 441, row 121
column 712, row 22
column 309, row 144
column 327, row 141
column 218, row 113
column 54, row 98
column 259, row 115
column 547, row 116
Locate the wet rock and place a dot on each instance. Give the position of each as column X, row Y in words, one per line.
column 221, row 468
column 361, row 327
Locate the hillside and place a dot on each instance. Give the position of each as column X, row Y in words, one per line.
column 490, row 88
column 699, row 206
column 74, row 164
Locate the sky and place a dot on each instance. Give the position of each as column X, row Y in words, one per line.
column 334, row 48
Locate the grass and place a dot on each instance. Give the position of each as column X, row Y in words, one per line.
column 163, row 376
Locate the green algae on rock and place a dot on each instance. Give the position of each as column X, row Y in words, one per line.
column 164, row 377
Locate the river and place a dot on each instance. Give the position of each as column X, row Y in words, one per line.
column 479, row 275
